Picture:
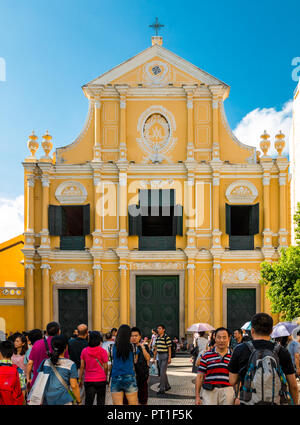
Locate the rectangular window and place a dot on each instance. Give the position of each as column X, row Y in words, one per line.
column 156, row 220
column 71, row 223
column 242, row 223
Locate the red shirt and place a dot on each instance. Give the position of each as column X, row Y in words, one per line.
column 215, row 368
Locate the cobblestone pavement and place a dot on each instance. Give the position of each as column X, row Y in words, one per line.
column 181, row 380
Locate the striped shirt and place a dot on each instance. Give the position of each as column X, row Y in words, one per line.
column 162, row 343
column 215, row 368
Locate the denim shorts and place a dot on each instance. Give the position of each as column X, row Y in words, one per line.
column 126, row 383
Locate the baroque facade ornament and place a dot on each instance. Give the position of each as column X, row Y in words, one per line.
column 72, row 276
column 241, row 192
column 240, row 275
column 71, row 192
column 156, row 127
column 156, row 73
column 157, row 266
column 158, row 184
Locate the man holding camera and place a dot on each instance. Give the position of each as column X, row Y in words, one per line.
column 213, row 374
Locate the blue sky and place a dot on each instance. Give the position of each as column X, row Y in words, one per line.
column 52, row 48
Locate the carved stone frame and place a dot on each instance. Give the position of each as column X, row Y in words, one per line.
column 226, row 286
column 58, row 286
column 150, row 272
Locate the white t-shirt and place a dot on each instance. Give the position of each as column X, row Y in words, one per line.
column 201, row 342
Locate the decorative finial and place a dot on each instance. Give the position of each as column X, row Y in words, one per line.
column 279, row 142
column 32, row 144
column 47, row 144
column 265, row 142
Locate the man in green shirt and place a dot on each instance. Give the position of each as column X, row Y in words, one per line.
column 162, row 352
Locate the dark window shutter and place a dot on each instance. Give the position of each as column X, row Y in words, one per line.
column 228, row 219
column 134, row 221
column 254, row 220
column 178, row 220
column 55, row 220
column 86, row 219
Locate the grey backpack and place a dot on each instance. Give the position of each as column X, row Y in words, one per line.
column 263, row 383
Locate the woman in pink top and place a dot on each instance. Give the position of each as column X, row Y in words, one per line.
column 93, row 365
column 20, row 348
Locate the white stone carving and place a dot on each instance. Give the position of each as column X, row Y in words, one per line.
column 240, row 275
column 156, row 73
column 156, row 127
column 71, row 276
column 241, row 192
column 157, row 266
column 71, row 192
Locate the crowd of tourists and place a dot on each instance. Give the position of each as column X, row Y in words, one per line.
column 246, row 369
column 47, row 368
column 50, row 369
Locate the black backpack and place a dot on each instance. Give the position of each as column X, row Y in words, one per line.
column 264, row 382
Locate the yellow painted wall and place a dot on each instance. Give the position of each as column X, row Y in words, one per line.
column 11, row 269
column 13, row 316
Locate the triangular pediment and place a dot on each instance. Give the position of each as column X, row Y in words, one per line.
column 156, row 59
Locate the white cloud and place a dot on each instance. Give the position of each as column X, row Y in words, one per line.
column 251, row 127
column 11, row 217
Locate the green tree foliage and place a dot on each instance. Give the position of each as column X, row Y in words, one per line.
column 297, row 224
column 283, row 280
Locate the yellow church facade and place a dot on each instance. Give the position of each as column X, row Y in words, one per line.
column 156, row 213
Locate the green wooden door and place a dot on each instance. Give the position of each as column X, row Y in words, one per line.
column 241, row 306
column 157, row 302
column 73, row 309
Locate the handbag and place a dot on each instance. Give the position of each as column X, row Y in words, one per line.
column 153, row 370
column 62, row 381
column 37, row 392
